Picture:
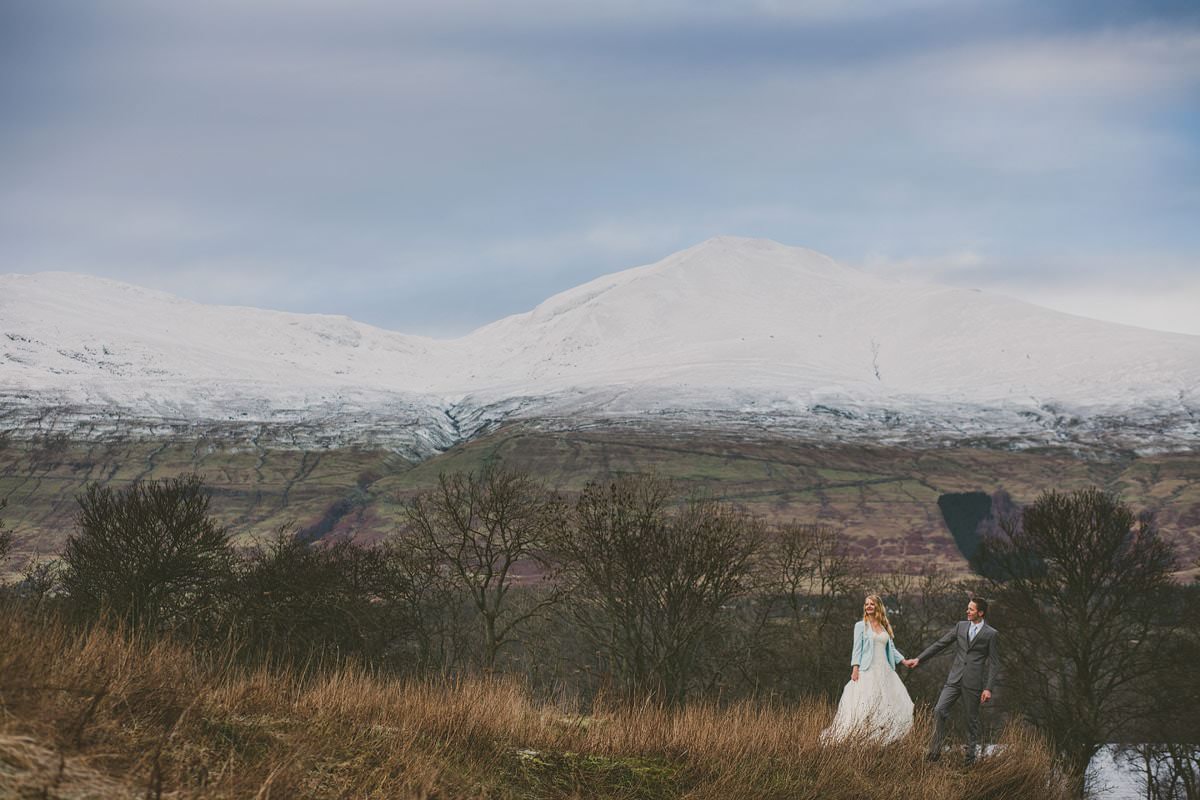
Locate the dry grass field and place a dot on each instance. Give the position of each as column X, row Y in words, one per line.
column 99, row 715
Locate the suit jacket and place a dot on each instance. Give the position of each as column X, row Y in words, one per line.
column 864, row 653
column 976, row 663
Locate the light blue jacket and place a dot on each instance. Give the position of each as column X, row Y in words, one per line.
column 864, row 649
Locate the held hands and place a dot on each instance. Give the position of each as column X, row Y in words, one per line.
column 911, row 663
column 854, row 673
column 985, row 695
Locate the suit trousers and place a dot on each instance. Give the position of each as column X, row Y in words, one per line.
column 941, row 713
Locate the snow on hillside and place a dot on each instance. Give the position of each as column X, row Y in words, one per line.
column 74, row 331
column 731, row 331
column 755, row 315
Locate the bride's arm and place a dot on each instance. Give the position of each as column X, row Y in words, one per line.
column 856, row 652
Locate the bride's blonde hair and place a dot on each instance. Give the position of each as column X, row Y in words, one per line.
column 880, row 614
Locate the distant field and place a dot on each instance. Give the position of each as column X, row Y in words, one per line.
column 884, row 498
column 255, row 491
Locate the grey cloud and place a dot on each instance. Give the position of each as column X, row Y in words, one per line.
column 441, row 164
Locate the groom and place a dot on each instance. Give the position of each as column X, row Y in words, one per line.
column 972, row 675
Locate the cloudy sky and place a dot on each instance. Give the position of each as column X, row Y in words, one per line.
column 432, row 165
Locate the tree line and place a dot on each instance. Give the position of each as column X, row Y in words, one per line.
column 637, row 589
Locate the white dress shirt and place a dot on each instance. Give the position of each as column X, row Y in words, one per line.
column 975, row 626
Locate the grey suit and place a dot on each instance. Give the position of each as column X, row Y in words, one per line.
column 976, row 667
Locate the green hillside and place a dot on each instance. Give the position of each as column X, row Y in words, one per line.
column 884, row 498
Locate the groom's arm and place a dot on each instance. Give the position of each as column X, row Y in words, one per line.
column 992, row 666
column 940, row 645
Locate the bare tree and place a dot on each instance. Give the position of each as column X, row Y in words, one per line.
column 150, row 553
column 1171, row 771
column 40, row 580
column 1081, row 582
column 420, row 586
column 924, row 603
column 303, row 601
column 6, row 536
column 651, row 583
column 812, row 561
column 1169, row 753
column 820, row 583
column 6, row 544
column 480, row 527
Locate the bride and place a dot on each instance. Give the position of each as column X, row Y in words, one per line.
column 875, row 701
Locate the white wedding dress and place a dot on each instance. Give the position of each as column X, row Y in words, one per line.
column 877, row 705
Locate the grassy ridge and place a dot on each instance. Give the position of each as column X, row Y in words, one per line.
column 96, row 714
column 885, row 498
column 255, row 490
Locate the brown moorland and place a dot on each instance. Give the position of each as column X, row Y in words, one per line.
column 97, row 713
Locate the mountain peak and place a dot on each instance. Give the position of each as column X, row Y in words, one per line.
column 726, row 245
column 761, row 259
column 727, row 324
column 728, row 242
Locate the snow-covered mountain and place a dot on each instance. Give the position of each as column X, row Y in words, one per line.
column 731, row 332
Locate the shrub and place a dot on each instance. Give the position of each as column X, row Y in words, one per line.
column 149, row 554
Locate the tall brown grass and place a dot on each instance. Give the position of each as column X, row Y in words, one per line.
column 99, row 713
